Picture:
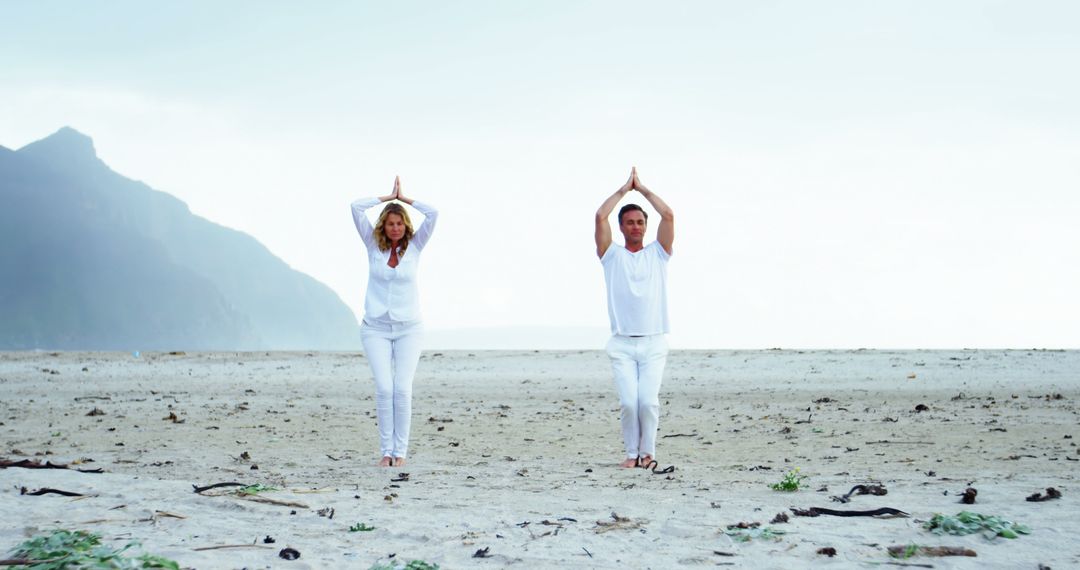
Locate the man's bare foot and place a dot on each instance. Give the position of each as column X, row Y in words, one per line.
column 629, row 463
column 386, row 461
column 399, row 462
column 646, row 461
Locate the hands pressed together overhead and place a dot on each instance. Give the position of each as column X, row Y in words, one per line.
column 396, row 193
column 633, row 183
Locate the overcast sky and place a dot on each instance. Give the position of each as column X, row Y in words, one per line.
column 844, row 174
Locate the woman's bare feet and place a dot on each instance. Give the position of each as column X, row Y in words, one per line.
column 386, row 461
column 646, row 461
column 629, row 463
column 399, row 462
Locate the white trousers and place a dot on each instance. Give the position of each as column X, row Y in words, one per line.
column 638, row 363
column 393, row 351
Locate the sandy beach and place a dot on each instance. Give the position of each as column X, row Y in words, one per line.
column 513, row 457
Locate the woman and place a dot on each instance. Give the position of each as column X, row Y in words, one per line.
column 391, row 328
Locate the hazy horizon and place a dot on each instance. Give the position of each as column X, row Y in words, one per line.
column 846, row 174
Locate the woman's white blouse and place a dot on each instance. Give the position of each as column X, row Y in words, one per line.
column 392, row 295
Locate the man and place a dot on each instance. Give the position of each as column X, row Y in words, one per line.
column 636, row 278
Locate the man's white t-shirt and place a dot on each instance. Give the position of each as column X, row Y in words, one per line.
column 637, row 289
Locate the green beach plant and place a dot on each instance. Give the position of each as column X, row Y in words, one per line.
column 411, row 565
column 909, row 551
column 254, row 489
column 966, row 522
column 791, row 481
column 748, row 534
column 360, row 527
column 70, row 550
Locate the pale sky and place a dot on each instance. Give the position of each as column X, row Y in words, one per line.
column 844, row 174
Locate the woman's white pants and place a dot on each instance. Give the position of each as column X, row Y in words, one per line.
column 638, row 363
column 393, row 351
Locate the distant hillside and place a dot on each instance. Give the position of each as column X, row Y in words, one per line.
column 91, row 260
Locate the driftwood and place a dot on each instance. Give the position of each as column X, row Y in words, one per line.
column 216, row 485
column 904, row 551
column 250, row 497
column 269, row 501
column 201, row 548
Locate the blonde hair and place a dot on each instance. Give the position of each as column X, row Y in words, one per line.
column 380, row 232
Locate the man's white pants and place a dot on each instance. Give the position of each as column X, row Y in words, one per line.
column 393, row 351
column 638, row 363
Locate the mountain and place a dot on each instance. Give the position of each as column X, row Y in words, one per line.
column 91, row 260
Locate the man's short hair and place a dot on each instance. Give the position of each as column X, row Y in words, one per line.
column 631, row 208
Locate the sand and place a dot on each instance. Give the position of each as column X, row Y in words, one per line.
column 515, row 452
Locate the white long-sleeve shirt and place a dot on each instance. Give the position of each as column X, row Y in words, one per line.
column 392, row 295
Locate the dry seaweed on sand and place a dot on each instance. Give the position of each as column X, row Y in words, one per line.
column 617, row 523
column 48, row 490
column 1051, row 493
column 36, row 464
column 746, row 532
column 884, row 512
column 878, row 490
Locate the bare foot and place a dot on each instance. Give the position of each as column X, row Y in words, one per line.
column 629, row 463
column 386, row 461
column 646, row 461
column 399, row 462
